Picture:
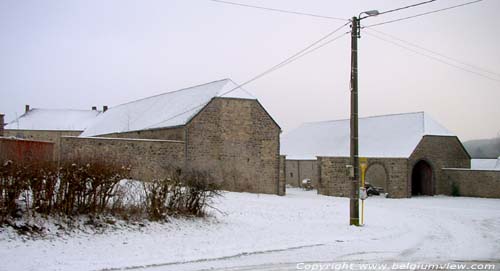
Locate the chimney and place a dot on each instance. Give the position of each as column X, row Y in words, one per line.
column 104, row 108
column 2, row 124
column 26, row 108
column 94, row 108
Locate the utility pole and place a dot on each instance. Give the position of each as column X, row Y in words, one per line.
column 354, row 201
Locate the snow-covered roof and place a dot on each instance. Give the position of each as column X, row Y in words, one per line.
column 165, row 110
column 485, row 164
column 54, row 120
column 379, row 136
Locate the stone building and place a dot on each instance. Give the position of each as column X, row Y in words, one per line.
column 406, row 154
column 216, row 127
column 50, row 124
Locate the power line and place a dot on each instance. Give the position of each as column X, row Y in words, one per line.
column 289, row 59
column 422, row 14
column 433, row 58
column 437, row 53
column 280, row 10
column 410, row 6
column 307, row 50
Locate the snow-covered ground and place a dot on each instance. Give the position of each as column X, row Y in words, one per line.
column 268, row 232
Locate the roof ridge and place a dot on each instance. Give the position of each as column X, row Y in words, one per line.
column 169, row 92
column 238, row 87
column 63, row 109
column 368, row 117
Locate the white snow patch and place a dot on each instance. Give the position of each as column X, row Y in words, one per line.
column 485, row 164
column 266, row 229
column 54, row 120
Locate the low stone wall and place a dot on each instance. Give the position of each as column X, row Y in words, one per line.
column 282, row 177
column 25, row 150
column 177, row 133
column 475, row 183
column 148, row 159
column 334, row 181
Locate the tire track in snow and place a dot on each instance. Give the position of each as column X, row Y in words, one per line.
column 243, row 254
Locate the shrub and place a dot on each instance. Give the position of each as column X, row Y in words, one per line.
column 87, row 187
column 12, row 184
column 455, row 190
column 187, row 193
column 97, row 187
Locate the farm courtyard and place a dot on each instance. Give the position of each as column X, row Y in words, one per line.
column 268, row 232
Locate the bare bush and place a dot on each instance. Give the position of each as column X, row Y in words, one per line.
column 87, row 187
column 100, row 187
column 200, row 188
column 12, row 184
column 187, row 193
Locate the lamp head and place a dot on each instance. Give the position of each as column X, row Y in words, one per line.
column 372, row 12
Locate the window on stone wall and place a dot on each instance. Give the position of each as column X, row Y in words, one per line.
column 291, row 174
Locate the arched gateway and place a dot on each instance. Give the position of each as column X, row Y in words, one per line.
column 421, row 179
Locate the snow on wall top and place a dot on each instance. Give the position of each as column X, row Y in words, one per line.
column 54, row 120
column 485, row 164
column 379, row 136
column 165, row 110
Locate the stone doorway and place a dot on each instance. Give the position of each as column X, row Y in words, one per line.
column 421, row 179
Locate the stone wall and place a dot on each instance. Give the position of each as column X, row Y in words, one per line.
column 376, row 175
column 474, row 183
column 439, row 152
column 334, row 181
column 2, row 124
column 238, row 142
column 396, row 170
column 25, row 150
column 148, row 159
column 42, row 135
column 282, row 182
column 176, row 133
column 298, row 170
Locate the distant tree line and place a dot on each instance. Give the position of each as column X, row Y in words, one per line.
column 483, row 148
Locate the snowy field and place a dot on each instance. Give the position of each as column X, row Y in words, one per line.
column 266, row 232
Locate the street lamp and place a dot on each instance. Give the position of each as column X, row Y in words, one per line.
column 369, row 13
column 354, row 199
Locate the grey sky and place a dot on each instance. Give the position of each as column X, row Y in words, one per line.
column 75, row 54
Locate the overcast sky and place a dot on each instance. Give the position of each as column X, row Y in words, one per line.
column 76, row 54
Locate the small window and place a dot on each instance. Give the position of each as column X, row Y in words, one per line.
column 291, row 174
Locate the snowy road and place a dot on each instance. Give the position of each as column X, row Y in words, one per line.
column 265, row 232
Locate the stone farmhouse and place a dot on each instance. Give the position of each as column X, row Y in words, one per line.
column 408, row 154
column 216, row 127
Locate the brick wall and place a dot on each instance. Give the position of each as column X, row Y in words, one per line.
column 41, row 135
column 148, row 158
column 298, row 170
column 25, row 150
column 474, row 183
column 439, row 152
column 238, row 142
